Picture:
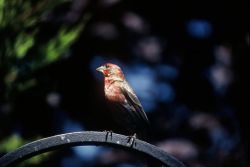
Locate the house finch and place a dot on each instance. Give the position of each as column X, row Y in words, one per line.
column 125, row 106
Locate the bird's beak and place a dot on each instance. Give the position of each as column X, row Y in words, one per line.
column 100, row 69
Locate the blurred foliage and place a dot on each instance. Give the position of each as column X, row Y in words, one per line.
column 26, row 46
column 56, row 46
column 21, row 14
column 14, row 141
column 11, row 143
column 21, row 52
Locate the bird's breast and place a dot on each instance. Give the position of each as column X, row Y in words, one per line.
column 113, row 94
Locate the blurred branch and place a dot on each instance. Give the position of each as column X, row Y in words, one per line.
column 87, row 138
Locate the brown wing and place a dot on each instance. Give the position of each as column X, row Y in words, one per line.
column 134, row 105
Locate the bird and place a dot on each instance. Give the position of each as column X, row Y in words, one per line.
column 126, row 108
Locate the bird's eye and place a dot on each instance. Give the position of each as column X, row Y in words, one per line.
column 106, row 66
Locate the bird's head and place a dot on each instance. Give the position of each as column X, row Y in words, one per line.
column 110, row 70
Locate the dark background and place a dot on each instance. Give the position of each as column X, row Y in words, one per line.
column 187, row 62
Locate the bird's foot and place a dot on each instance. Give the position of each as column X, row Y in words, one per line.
column 131, row 140
column 108, row 133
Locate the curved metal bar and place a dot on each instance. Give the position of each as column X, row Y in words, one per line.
column 87, row 138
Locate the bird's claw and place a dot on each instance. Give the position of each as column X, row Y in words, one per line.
column 131, row 140
column 108, row 133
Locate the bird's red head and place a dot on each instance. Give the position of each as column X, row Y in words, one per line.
column 110, row 70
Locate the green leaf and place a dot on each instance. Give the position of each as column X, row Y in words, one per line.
column 23, row 43
column 37, row 159
column 11, row 143
column 1, row 12
column 58, row 45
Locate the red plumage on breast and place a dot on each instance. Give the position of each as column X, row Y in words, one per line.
column 113, row 91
